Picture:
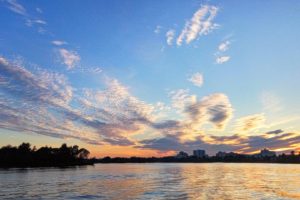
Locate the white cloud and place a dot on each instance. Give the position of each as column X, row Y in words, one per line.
column 181, row 99
column 16, row 7
column 224, row 46
column 39, row 21
column 58, row 42
column 222, row 59
column 170, row 36
column 70, row 58
column 200, row 24
column 197, row 79
column 157, row 29
column 30, row 22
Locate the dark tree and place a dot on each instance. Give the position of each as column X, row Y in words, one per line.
column 25, row 156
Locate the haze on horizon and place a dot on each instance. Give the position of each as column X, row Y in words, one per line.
column 145, row 78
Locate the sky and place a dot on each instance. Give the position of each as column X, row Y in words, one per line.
column 150, row 78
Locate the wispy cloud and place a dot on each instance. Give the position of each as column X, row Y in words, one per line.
column 222, row 59
column 30, row 22
column 251, row 122
column 39, row 21
column 200, row 24
column 58, row 42
column 224, row 46
column 170, row 36
column 181, row 98
column 197, row 79
column 43, row 103
column 39, row 10
column 69, row 58
column 157, row 29
column 14, row 6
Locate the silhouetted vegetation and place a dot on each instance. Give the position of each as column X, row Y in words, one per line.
column 25, row 156
column 232, row 158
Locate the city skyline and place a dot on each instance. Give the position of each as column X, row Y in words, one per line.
column 123, row 78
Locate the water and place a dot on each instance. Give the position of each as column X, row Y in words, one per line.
column 154, row 181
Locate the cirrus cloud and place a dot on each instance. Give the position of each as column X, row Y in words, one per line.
column 200, row 24
column 251, row 122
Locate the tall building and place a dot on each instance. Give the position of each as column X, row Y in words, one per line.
column 199, row 153
column 182, row 154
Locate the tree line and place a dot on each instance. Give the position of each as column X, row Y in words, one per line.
column 26, row 156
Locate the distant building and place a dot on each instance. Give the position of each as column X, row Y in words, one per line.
column 267, row 153
column 182, row 154
column 199, row 153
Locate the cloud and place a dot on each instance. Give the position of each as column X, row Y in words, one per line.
column 170, row 36
column 32, row 102
column 275, row 131
column 215, row 108
column 39, row 10
column 95, row 70
column 69, row 58
column 181, row 98
column 222, row 59
column 30, row 22
column 39, row 21
column 43, row 103
column 14, row 6
column 213, row 144
column 251, row 122
column 58, row 42
column 224, row 46
column 197, row 79
column 157, row 29
column 200, row 24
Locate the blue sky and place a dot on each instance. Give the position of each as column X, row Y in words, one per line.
column 150, row 77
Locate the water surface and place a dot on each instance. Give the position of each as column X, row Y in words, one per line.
column 154, row 181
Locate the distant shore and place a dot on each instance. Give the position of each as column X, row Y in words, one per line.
column 230, row 158
column 24, row 156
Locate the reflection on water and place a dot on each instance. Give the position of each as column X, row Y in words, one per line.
column 154, row 181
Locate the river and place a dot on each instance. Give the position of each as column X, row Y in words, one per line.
column 154, row 181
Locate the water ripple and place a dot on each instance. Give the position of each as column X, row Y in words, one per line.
column 154, row 181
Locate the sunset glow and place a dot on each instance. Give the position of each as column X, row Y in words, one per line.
column 129, row 79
